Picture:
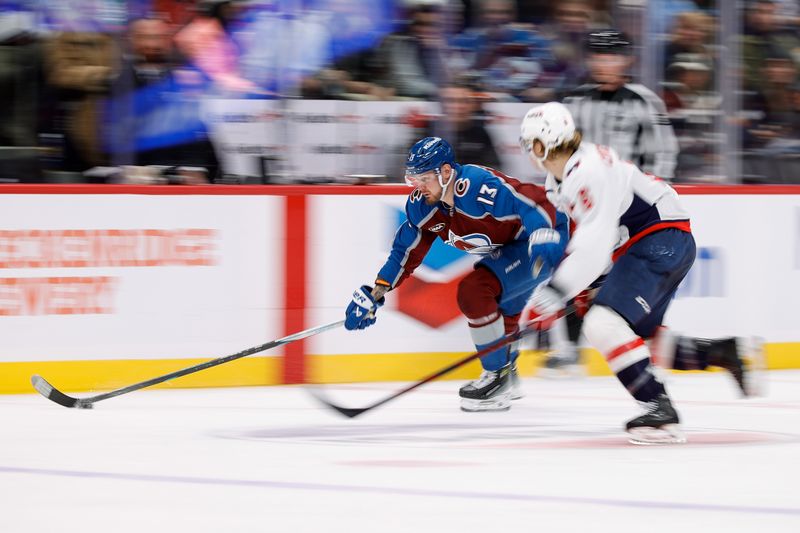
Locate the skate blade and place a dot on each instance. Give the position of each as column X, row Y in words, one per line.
column 517, row 392
column 564, row 372
column 647, row 436
column 500, row 403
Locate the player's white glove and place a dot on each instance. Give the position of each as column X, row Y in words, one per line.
column 544, row 306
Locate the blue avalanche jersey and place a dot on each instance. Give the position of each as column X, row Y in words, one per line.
column 489, row 210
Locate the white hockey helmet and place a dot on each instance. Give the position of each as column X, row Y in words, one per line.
column 550, row 123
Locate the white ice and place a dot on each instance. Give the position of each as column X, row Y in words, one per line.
column 271, row 459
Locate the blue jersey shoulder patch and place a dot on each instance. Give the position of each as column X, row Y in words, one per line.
column 476, row 189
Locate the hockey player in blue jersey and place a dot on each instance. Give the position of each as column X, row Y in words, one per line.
column 511, row 224
column 633, row 227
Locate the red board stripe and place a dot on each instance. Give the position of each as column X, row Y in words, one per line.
column 294, row 367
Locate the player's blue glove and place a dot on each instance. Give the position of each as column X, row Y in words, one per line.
column 546, row 244
column 361, row 311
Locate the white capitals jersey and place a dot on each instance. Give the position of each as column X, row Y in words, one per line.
column 613, row 204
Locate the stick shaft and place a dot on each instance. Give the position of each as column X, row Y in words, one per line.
column 216, row 362
column 529, row 328
column 505, row 341
column 209, row 364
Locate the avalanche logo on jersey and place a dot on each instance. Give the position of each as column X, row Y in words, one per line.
column 430, row 294
column 474, row 243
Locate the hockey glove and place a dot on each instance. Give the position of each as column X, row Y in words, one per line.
column 546, row 244
column 360, row 313
column 544, row 306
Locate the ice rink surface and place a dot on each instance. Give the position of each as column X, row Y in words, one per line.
column 271, row 459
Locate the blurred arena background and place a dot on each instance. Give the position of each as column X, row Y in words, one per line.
column 285, row 91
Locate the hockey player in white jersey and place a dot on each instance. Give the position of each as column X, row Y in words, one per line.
column 632, row 226
column 628, row 117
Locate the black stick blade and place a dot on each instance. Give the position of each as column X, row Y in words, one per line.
column 51, row 393
column 531, row 327
column 349, row 412
column 346, row 411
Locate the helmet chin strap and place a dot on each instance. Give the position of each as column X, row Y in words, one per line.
column 539, row 161
column 442, row 184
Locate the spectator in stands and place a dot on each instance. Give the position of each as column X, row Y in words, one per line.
column 20, row 73
column 413, row 63
column 693, row 106
column 688, row 85
column 80, row 66
column 662, row 14
column 176, row 13
column 300, row 44
column 789, row 12
column 790, row 158
column 572, row 21
column 771, row 147
column 154, row 116
column 765, row 33
column 509, row 57
column 349, row 78
column 795, row 116
column 463, row 122
column 771, row 107
column 207, row 44
column 690, row 35
column 352, row 72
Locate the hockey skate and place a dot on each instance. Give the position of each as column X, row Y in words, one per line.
column 517, row 392
column 563, row 363
column 743, row 358
column 490, row 392
column 659, row 425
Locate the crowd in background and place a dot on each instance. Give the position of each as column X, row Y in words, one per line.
column 111, row 91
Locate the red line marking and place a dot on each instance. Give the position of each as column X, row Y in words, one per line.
column 702, row 438
column 403, row 463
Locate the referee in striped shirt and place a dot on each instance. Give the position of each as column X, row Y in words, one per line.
column 628, row 117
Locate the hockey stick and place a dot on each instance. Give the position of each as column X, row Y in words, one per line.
column 531, row 327
column 51, row 393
